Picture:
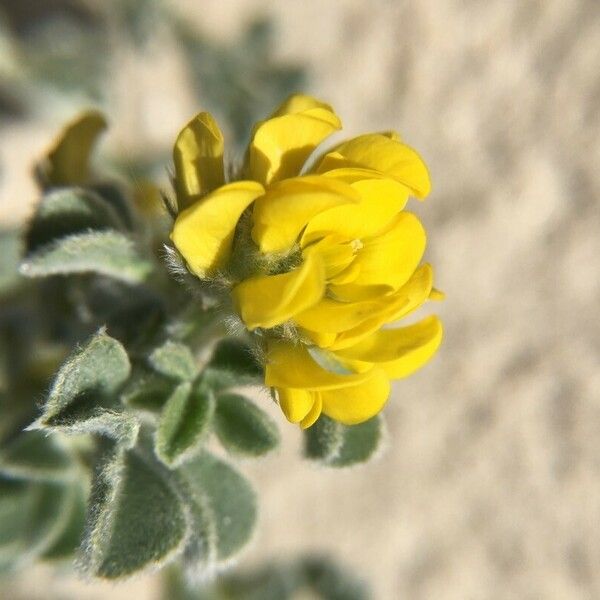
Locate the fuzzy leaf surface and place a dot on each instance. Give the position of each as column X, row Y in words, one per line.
column 116, row 196
column 338, row 445
column 233, row 364
column 174, row 360
column 37, row 455
column 330, row 582
column 360, row 443
column 10, row 255
column 118, row 425
column 107, row 253
column 229, row 499
column 32, row 518
column 244, row 428
column 83, row 396
column 184, row 423
column 146, row 391
column 69, row 540
column 66, row 211
column 136, row 518
column 311, row 576
column 323, row 440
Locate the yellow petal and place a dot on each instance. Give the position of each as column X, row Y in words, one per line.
column 68, row 161
column 351, row 221
column 385, row 195
column 358, row 403
column 384, row 155
column 282, row 213
column 281, row 144
column 337, row 254
column 291, row 366
column 373, row 186
column 392, row 256
column 295, row 403
column 203, row 233
column 323, row 339
column 376, row 305
column 401, row 351
column 269, row 300
column 298, row 103
column 198, row 158
column 352, row 174
column 414, row 293
column 436, row 294
column 314, row 413
column 348, row 275
column 352, row 292
column 381, row 199
column 333, row 316
column 399, row 304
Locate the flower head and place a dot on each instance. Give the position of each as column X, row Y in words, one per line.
column 317, row 262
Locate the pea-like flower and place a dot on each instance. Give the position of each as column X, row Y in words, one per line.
column 318, row 259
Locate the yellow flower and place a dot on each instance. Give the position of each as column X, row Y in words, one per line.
column 68, row 160
column 318, row 261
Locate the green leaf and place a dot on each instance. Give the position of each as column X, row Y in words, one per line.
column 136, row 518
column 15, row 497
column 199, row 555
column 133, row 314
column 37, row 455
column 116, row 196
column 117, row 425
column 66, row 211
column 184, row 423
column 100, row 367
column 67, row 543
column 323, row 440
column 330, row 582
column 84, row 392
column 146, row 391
column 32, row 518
column 10, row 256
column 228, row 496
column 338, row 445
column 107, row 253
column 174, row 360
column 233, row 364
column 272, row 582
column 311, row 576
column 244, row 428
column 360, row 443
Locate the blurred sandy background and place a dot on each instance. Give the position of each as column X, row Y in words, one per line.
column 489, row 487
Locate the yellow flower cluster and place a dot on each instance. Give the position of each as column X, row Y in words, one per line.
column 332, row 255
